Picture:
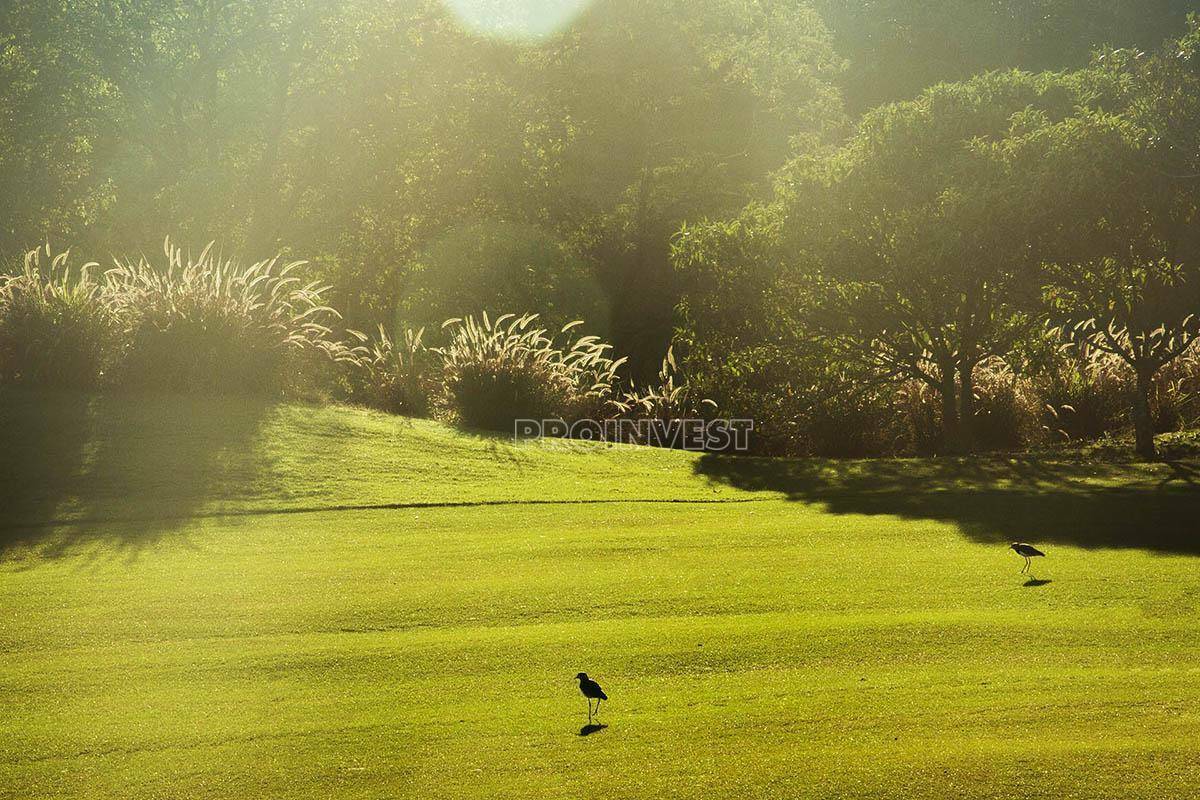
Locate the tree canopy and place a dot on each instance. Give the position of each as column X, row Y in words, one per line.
column 945, row 227
column 810, row 199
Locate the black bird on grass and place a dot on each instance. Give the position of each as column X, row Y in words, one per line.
column 1026, row 550
column 592, row 691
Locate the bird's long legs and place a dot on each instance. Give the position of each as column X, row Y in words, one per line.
column 1026, row 567
column 589, row 702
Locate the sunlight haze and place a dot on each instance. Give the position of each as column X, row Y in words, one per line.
column 516, row 19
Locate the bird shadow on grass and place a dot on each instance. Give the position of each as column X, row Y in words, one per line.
column 590, row 728
column 1036, row 582
column 77, row 472
column 992, row 500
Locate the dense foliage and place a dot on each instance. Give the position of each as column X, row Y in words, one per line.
column 941, row 235
column 198, row 323
column 1001, row 259
column 383, row 140
column 498, row 371
column 57, row 328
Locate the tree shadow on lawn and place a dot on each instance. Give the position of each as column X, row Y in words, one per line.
column 122, row 470
column 994, row 500
column 43, row 438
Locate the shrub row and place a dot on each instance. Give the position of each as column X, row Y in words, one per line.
column 209, row 324
column 189, row 324
column 491, row 372
column 804, row 406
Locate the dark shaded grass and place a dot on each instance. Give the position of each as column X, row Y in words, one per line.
column 994, row 501
column 73, row 457
column 42, row 451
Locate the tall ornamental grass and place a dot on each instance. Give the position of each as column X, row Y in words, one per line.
column 188, row 324
column 58, row 329
column 209, row 323
column 395, row 375
column 497, row 371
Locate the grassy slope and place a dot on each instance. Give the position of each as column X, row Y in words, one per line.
column 860, row 631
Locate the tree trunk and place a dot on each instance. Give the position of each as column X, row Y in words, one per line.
column 1143, row 425
column 951, row 439
column 966, row 403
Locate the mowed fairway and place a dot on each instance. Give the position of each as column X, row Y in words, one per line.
column 798, row 629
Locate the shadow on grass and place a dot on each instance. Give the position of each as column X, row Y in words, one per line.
column 1182, row 472
column 590, row 728
column 123, row 470
column 994, row 500
column 42, row 450
column 1036, row 582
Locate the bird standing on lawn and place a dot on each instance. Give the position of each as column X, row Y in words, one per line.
column 1026, row 550
column 592, row 691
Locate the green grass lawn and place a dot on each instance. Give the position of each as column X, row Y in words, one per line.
column 218, row 599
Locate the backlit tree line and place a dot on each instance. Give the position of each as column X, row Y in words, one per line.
column 974, row 224
column 841, row 215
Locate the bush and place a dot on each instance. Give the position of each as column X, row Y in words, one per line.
column 393, row 375
column 670, row 397
column 213, row 325
column 805, row 400
column 1175, row 401
column 1088, row 393
column 1008, row 414
column 1085, row 393
column 57, row 328
column 496, row 372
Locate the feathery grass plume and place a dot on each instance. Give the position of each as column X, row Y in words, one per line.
column 668, row 398
column 57, row 328
column 498, row 371
column 393, row 375
column 1084, row 391
column 1008, row 413
column 209, row 323
column 1176, row 399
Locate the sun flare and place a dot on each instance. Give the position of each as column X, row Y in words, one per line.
column 516, row 19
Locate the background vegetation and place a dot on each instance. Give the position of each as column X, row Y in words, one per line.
column 877, row 227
